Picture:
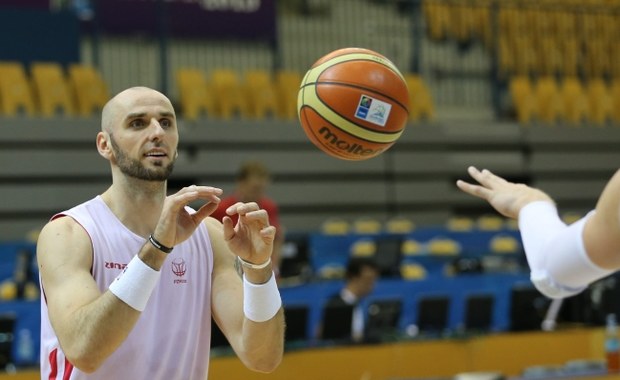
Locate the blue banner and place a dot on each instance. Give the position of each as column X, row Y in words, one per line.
column 236, row 19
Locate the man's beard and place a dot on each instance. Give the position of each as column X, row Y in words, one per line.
column 134, row 168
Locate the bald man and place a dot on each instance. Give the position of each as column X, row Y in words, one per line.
column 132, row 277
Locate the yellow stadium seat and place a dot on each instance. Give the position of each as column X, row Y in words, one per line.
column 509, row 21
column 490, row 222
column 262, row 101
column 194, row 94
column 437, row 17
column 411, row 247
column 574, row 102
column 331, row 272
column 571, row 56
column 599, row 101
column 482, row 22
column 229, row 98
column 91, row 91
column 51, row 89
column 443, row 246
column 335, row 226
column 363, row 248
column 549, row 52
column 523, row 100
column 420, row 100
column 399, row 225
column 524, row 55
column 366, row 225
column 463, row 21
column 287, row 87
column 412, row 272
column 548, row 100
column 504, row 244
column 15, row 90
column 596, row 60
column 506, row 60
column 564, row 23
column 460, row 223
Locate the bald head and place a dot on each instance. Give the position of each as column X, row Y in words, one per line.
column 120, row 105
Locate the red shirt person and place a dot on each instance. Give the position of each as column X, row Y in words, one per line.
column 253, row 179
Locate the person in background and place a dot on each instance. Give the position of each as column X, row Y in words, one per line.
column 360, row 278
column 252, row 181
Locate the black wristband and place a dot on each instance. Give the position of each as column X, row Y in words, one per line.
column 159, row 245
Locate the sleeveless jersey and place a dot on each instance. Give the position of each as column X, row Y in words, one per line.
column 171, row 339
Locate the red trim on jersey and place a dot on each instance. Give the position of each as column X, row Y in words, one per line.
column 53, row 364
column 68, row 370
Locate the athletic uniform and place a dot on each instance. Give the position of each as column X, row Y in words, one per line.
column 171, row 339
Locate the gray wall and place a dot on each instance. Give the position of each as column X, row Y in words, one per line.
column 49, row 165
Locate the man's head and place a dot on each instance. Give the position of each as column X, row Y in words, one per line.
column 139, row 134
column 361, row 275
column 253, row 179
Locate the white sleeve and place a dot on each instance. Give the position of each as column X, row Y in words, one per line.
column 559, row 264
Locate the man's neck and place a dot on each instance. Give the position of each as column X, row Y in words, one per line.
column 137, row 204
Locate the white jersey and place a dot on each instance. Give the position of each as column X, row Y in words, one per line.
column 171, row 339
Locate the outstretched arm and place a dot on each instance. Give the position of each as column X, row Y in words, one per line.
column 563, row 259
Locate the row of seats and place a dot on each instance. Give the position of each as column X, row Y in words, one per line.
column 568, row 100
column 551, row 54
column 259, row 94
column 47, row 90
column 533, row 38
column 404, row 225
column 225, row 94
column 467, row 20
column 416, row 256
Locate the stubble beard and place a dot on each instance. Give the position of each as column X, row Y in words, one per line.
column 135, row 169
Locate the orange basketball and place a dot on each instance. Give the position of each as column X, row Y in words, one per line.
column 352, row 104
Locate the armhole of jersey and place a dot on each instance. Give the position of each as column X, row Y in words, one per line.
column 92, row 247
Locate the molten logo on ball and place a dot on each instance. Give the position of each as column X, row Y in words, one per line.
column 345, row 146
column 352, row 104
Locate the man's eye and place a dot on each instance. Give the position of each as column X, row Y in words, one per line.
column 165, row 123
column 136, row 123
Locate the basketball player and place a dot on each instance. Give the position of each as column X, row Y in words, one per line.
column 563, row 259
column 132, row 278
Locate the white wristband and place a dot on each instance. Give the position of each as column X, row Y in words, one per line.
column 261, row 302
column 555, row 252
column 135, row 284
column 538, row 222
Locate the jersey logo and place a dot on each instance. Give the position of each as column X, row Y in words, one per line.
column 179, row 268
column 113, row 265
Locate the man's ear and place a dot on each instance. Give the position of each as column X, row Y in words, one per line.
column 104, row 147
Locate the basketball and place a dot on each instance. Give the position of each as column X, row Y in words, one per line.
column 352, row 104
